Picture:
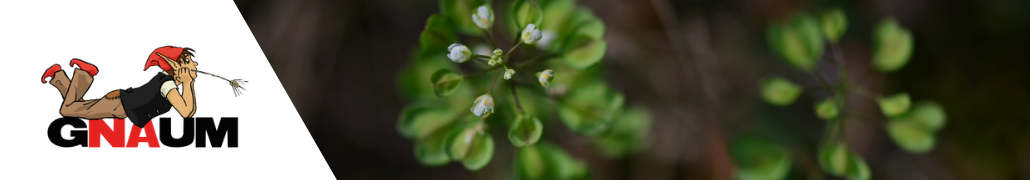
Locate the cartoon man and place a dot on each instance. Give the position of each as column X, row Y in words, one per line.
column 139, row 104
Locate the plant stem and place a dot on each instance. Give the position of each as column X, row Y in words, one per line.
column 842, row 88
column 515, row 95
column 483, row 61
column 822, row 80
column 479, row 72
column 871, row 119
column 490, row 37
column 507, row 54
column 495, row 81
column 530, row 61
column 517, row 66
column 863, row 93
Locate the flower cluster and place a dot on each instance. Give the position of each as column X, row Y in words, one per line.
column 445, row 131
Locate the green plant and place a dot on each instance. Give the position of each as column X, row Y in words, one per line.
column 801, row 42
column 552, row 71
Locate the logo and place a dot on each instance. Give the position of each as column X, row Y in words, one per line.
column 97, row 128
column 139, row 105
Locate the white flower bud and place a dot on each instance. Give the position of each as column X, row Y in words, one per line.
column 494, row 61
column 508, row 73
column 483, row 106
column 496, row 58
column 483, row 17
column 531, row 34
column 459, row 53
column 498, row 52
column 545, row 77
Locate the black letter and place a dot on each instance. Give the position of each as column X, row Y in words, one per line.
column 166, row 133
column 55, row 132
column 207, row 125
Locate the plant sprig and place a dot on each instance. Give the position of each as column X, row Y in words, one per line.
column 570, row 88
column 800, row 41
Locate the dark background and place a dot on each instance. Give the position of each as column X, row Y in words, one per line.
column 695, row 64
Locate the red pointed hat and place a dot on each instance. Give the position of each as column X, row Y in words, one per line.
column 168, row 51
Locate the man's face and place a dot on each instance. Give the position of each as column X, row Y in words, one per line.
column 187, row 61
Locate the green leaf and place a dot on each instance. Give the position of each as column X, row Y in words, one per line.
column 838, row 160
column 834, row 23
column 472, row 146
column 861, row 169
column 533, row 100
column 588, row 25
column 779, row 91
column 557, row 13
column 799, row 42
column 759, row 159
column 588, row 109
column 526, row 12
column 627, row 134
column 479, row 154
column 414, row 87
column 557, row 20
column 445, row 82
column 587, row 46
column 930, row 115
column 437, row 35
column 530, row 163
column 460, row 12
column 910, row 136
column 586, row 55
column 525, row 130
column 914, row 131
column 546, row 161
column 420, row 120
column 834, row 159
column 826, row 109
column 431, row 151
column 892, row 46
column 894, row 105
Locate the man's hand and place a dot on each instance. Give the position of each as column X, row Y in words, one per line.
column 185, row 75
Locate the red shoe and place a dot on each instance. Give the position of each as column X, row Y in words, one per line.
column 50, row 72
column 85, row 66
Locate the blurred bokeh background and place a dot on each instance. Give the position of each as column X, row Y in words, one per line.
column 695, row 64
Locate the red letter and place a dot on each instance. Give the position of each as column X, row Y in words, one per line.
column 114, row 136
column 151, row 138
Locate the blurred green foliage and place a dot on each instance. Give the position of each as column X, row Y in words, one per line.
column 798, row 41
column 780, row 91
column 759, row 159
column 801, row 40
column 892, row 46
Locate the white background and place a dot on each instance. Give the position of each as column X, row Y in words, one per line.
column 118, row 37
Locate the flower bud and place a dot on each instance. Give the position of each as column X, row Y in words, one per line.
column 531, row 34
column 508, row 73
column 497, row 58
column 498, row 52
column 459, row 53
column 483, row 106
column 483, row 17
column 545, row 77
